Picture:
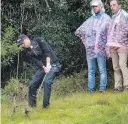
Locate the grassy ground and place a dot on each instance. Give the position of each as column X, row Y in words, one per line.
column 80, row 108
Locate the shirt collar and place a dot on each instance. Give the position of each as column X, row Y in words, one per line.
column 31, row 46
column 116, row 14
column 98, row 15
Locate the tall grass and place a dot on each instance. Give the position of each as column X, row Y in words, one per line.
column 78, row 108
column 70, row 104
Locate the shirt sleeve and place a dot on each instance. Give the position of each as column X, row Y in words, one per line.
column 45, row 47
column 37, row 61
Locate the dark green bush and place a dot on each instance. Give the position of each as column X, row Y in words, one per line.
column 77, row 82
column 71, row 84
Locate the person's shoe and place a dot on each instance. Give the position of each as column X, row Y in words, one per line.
column 117, row 90
column 91, row 91
column 46, row 106
column 102, row 91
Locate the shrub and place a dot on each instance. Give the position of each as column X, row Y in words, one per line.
column 71, row 84
column 15, row 91
column 77, row 82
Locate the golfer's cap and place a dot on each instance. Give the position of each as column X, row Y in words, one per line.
column 21, row 39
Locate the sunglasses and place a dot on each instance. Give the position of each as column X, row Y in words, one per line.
column 94, row 6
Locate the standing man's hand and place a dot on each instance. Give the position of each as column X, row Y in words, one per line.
column 115, row 48
column 83, row 39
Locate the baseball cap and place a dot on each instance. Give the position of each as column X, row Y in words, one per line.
column 95, row 2
column 21, row 39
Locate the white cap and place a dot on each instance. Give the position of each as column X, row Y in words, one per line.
column 95, row 2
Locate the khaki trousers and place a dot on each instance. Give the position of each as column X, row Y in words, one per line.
column 119, row 61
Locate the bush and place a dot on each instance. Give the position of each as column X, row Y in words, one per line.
column 15, row 91
column 72, row 84
column 9, row 47
column 78, row 82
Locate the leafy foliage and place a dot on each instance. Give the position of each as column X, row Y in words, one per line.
column 15, row 90
column 71, row 84
column 9, row 48
column 77, row 82
column 56, row 20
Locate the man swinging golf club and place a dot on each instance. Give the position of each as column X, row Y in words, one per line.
column 41, row 52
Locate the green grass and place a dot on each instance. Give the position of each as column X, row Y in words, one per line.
column 79, row 108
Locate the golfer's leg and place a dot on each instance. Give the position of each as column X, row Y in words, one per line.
column 34, row 84
column 47, row 86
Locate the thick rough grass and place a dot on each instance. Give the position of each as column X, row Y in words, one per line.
column 78, row 108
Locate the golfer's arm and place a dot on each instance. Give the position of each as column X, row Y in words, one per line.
column 38, row 62
column 48, row 59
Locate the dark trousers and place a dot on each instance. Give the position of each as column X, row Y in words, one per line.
column 36, row 82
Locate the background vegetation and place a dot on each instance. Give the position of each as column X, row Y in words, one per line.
column 56, row 20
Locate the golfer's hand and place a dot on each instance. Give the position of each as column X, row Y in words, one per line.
column 47, row 68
